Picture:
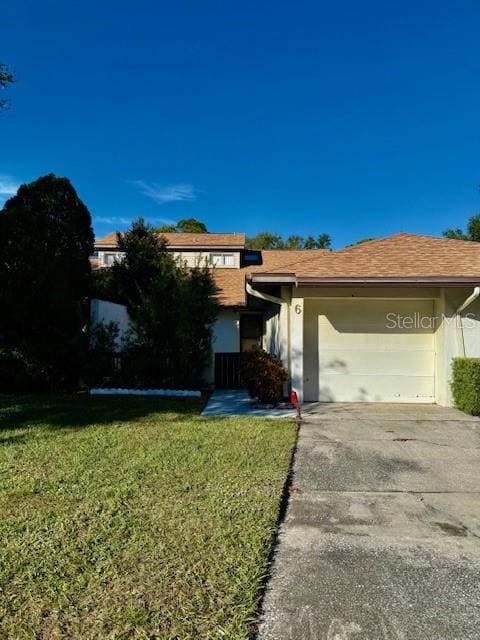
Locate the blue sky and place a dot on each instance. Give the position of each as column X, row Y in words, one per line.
column 356, row 118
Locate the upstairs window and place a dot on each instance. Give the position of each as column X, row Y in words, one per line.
column 222, row 260
column 109, row 259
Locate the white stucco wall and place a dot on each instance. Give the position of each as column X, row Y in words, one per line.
column 106, row 312
column 226, row 332
column 226, row 337
column 277, row 328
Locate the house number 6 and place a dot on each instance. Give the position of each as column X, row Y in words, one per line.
column 298, row 309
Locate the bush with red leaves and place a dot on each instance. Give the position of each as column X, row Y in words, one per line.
column 263, row 375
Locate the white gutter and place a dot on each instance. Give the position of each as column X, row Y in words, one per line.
column 264, row 296
column 460, row 337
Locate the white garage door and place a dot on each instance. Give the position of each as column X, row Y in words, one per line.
column 369, row 350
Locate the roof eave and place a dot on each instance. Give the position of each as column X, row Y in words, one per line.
column 380, row 281
column 273, row 278
column 182, row 247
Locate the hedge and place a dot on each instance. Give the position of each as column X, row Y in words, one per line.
column 466, row 384
column 263, row 376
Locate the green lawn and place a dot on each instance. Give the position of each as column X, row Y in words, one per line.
column 134, row 518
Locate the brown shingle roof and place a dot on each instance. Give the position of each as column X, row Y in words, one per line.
column 108, row 241
column 215, row 240
column 231, row 287
column 231, row 282
column 399, row 256
column 187, row 240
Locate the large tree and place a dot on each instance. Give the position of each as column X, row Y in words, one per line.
column 46, row 239
column 265, row 240
column 472, row 233
column 172, row 309
column 268, row 240
column 186, row 225
column 6, row 78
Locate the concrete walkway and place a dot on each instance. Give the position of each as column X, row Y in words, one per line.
column 381, row 539
column 237, row 402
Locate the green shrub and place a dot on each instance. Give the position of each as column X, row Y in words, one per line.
column 263, row 376
column 102, row 355
column 466, row 384
column 172, row 310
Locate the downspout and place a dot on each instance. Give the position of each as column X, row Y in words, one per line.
column 458, row 318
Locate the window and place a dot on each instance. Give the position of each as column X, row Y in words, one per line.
column 252, row 257
column 222, row 260
column 109, row 259
column 216, row 260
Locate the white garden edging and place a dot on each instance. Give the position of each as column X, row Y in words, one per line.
column 173, row 393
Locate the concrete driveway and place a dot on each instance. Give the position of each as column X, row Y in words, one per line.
column 381, row 538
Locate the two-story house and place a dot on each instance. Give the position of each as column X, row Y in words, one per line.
column 238, row 327
column 378, row 321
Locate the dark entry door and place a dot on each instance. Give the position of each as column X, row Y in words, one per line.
column 251, row 331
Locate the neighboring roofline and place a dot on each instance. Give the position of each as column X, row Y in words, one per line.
column 315, row 281
column 400, row 234
column 219, row 247
column 186, row 247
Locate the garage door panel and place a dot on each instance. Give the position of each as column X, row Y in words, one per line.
column 347, row 315
column 369, row 341
column 401, row 363
column 355, row 351
column 353, row 388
